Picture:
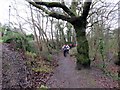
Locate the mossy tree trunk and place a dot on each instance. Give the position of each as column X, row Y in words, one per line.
column 82, row 44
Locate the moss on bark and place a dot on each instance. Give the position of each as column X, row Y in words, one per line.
column 82, row 46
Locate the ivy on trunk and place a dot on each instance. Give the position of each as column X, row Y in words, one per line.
column 82, row 43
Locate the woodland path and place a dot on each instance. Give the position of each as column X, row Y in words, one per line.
column 66, row 76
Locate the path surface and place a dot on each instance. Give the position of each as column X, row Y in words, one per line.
column 66, row 76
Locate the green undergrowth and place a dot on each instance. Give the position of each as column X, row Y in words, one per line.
column 31, row 55
column 43, row 69
column 18, row 40
column 44, row 64
column 43, row 87
column 113, row 75
column 73, row 51
column 55, row 51
column 108, row 73
column 40, row 64
column 47, row 56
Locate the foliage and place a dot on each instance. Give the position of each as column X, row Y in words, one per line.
column 42, row 87
column 73, row 51
column 30, row 37
column 47, row 56
column 113, row 75
column 19, row 40
column 1, row 37
column 101, row 49
column 42, row 69
column 30, row 54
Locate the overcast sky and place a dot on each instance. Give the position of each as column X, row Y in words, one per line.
column 4, row 9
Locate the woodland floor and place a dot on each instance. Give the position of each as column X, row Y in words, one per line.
column 15, row 73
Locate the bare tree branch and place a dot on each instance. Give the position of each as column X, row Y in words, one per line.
column 93, row 23
column 86, row 8
column 112, row 10
column 52, row 14
column 56, row 4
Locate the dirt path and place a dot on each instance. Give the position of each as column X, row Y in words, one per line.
column 66, row 76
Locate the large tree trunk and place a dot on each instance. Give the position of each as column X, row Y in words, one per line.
column 82, row 45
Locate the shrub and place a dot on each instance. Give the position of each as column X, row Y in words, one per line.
column 30, row 37
column 31, row 55
column 20, row 41
column 42, row 69
column 47, row 56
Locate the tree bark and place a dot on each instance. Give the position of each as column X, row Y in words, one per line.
column 82, row 44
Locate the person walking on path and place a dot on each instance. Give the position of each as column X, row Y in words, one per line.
column 65, row 49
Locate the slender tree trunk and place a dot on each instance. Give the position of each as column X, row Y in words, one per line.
column 35, row 33
column 82, row 45
column 52, row 34
column 62, row 34
column 73, row 37
column 69, row 32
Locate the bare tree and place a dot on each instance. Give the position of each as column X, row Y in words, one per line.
column 101, row 18
column 35, row 33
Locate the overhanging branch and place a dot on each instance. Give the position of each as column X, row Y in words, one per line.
column 59, row 16
column 56, row 4
column 86, row 8
column 50, row 13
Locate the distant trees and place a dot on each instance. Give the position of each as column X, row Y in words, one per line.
column 119, row 35
column 75, row 25
column 79, row 24
column 102, row 21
